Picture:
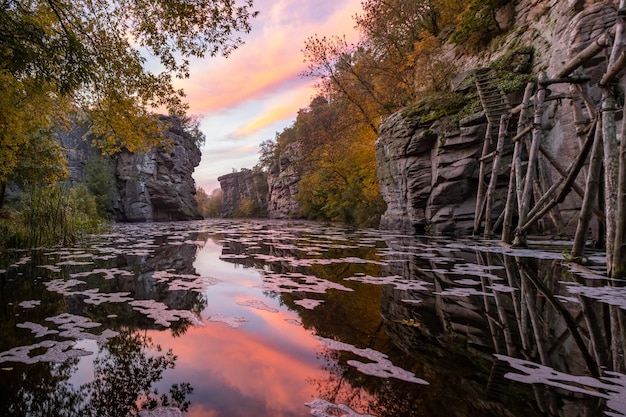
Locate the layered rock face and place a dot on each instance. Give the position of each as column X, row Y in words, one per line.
column 244, row 193
column 428, row 176
column 426, row 181
column 157, row 186
column 283, row 181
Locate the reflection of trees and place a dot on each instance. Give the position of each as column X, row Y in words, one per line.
column 39, row 390
column 125, row 371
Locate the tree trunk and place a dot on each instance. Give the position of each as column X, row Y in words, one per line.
column 3, row 189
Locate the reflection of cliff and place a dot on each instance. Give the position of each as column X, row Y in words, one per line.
column 458, row 378
column 485, row 303
column 142, row 284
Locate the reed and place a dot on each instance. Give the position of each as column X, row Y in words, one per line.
column 51, row 215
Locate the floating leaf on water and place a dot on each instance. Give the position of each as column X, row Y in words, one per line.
column 380, row 366
column 323, row 408
column 257, row 304
column 57, row 352
column 308, row 303
column 410, row 322
column 30, row 303
column 233, row 322
column 37, row 329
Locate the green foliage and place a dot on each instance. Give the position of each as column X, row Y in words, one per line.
column 269, row 154
column 246, row 208
column 51, row 215
column 338, row 167
column 57, row 56
column 100, row 180
column 513, row 70
column 209, row 205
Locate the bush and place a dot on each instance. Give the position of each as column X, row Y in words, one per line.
column 51, row 215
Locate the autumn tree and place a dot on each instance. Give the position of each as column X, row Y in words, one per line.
column 116, row 60
column 209, row 204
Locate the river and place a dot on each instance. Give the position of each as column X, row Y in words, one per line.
column 284, row 318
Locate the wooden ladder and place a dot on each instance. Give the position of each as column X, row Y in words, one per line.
column 498, row 111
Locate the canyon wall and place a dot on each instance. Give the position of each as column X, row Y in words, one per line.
column 153, row 186
column 244, row 194
column 283, row 181
column 157, row 186
column 429, row 174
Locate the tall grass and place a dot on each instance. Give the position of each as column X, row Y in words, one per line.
column 51, row 215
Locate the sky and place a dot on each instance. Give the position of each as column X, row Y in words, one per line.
column 257, row 91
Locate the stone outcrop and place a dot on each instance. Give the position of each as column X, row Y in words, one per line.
column 283, row 181
column 244, row 194
column 158, row 185
column 429, row 175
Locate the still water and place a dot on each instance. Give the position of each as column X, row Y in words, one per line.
column 264, row 318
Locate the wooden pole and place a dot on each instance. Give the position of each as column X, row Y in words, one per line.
column 515, row 178
column 502, row 132
column 590, row 196
column 567, row 186
column 540, row 95
column 619, row 255
column 586, row 54
column 480, row 195
column 609, row 138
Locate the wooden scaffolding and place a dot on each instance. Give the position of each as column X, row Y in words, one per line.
column 533, row 194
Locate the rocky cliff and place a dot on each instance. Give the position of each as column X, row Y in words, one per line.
column 157, row 186
column 244, row 194
column 283, row 181
column 429, row 173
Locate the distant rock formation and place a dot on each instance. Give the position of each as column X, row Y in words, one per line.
column 158, row 186
column 244, row 194
column 283, row 181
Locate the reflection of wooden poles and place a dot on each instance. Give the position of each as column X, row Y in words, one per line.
column 567, row 317
column 512, row 276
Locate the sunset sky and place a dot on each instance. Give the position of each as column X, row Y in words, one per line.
column 257, row 91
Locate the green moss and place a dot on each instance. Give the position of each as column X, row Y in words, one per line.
column 435, row 107
column 513, row 70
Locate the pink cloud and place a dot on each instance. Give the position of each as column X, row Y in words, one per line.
column 271, row 59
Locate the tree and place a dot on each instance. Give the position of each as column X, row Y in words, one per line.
column 268, row 152
column 59, row 55
column 209, row 205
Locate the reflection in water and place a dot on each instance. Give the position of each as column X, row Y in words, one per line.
column 295, row 318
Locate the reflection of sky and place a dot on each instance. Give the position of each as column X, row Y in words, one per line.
column 264, row 365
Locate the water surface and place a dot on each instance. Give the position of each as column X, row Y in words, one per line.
column 266, row 318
